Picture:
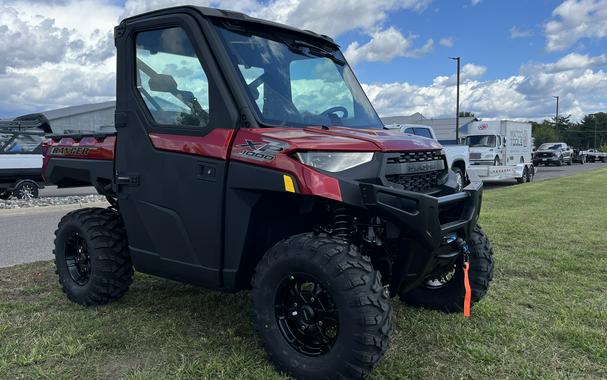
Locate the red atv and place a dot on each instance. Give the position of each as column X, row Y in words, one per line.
column 247, row 156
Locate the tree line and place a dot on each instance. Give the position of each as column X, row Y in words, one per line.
column 588, row 133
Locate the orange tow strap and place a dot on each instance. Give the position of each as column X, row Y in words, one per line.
column 468, row 295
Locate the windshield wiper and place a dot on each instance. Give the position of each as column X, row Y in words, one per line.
column 297, row 46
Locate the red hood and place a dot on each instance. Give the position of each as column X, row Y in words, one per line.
column 348, row 139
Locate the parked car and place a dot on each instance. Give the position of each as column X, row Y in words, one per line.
column 313, row 206
column 457, row 155
column 593, row 155
column 553, row 153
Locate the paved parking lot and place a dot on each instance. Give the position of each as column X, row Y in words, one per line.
column 548, row 172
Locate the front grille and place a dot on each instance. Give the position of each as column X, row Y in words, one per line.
column 419, row 172
column 403, row 158
column 475, row 156
column 545, row 155
column 419, row 183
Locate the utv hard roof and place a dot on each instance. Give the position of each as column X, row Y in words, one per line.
column 233, row 16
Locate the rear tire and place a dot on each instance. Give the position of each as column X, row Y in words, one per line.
column 92, row 256
column 525, row 177
column 449, row 297
column 531, row 174
column 345, row 282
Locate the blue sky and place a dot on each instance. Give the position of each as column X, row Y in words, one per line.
column 480, row 33
column 515, row 54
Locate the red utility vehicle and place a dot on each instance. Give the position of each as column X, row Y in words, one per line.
column 247, row 156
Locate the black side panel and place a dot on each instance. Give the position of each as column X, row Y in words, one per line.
column 173, row 216
column 259, row 213
column 71, row 172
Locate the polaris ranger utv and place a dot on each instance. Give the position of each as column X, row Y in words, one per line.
column 247, row 156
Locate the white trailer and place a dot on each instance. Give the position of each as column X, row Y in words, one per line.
column 501, row 150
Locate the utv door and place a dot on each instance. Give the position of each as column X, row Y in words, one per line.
column 174, row 120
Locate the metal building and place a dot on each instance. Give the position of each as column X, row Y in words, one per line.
column 86, row 117
column 76, row 119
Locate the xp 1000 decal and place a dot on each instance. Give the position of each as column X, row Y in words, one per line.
column 261, row 150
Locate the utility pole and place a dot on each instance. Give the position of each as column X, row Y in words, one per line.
column 556, row 118
column 594, row 131
column 457, row 102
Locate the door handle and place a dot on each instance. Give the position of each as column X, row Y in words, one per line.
column 206, row 172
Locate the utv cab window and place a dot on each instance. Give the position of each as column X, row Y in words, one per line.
column 170, row 78
column 297, row 83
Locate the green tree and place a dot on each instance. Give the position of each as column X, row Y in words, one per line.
column 544, row 132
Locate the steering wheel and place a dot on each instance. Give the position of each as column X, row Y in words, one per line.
column 336, row 109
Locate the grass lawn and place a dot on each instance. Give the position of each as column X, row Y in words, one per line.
column 545, row 315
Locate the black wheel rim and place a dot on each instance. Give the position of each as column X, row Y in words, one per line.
column 441, row 280
column 77, row 259
column 306, row 315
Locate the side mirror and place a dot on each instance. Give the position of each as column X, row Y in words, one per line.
column 163, row 83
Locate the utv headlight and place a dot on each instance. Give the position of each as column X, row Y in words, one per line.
column 334, row 161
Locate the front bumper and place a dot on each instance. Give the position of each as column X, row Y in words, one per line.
column 427, row 218
column 543, row 160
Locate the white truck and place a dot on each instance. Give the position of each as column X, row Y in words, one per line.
column 20, row 159
column 501, row 150
column 457, row 155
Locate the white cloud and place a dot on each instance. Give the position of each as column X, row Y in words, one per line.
column 520, row 33
column 50, row 58
column 475, row 2
column 327, row 17
column 447, row 42
column 579, row 81
column 384, row 46
column 573, row 20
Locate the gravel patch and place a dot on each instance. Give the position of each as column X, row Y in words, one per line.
column 50, row 201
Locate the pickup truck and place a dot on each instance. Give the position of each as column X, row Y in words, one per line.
column 21, row 159
column 457, row 155
column 558, row 153
column 235, row 166
column 593, row 155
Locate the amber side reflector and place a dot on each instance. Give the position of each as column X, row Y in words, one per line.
column 289, row 186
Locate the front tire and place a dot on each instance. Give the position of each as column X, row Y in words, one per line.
column 26, row 190
column 92, row 256
column 320, row 309
column 459, row 179
column 448, row 295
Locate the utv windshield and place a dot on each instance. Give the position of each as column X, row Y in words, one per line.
column 481, row 141
column 294, row 83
